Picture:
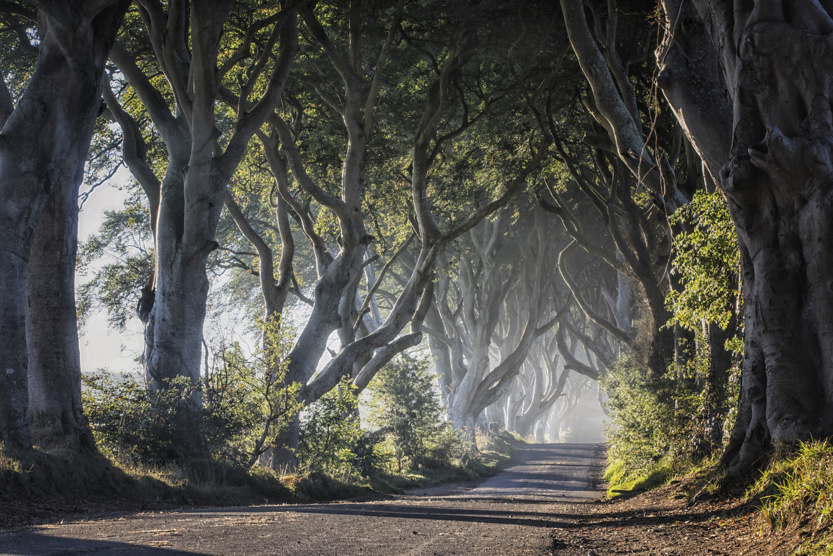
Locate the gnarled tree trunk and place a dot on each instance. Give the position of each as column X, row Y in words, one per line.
column 44, row 144
column 775, row 166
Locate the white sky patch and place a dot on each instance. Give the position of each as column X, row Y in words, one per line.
column 101, row 346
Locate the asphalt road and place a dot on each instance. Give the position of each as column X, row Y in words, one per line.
column 511, row 513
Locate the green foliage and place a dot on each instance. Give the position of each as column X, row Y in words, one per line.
column 330, row 434
column 660, row 425
column 404, row 401
column 653, row 426
column 247, row 398
column 707, row 262
column 246, row 404
column 130, row 422
column 406, row 412
column 124, row 240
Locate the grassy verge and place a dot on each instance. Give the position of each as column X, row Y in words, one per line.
column 621, row 482
column 795, row 493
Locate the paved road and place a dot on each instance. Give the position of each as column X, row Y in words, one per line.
column 511, row 513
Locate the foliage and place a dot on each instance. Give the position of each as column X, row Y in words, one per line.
column 661, row 425
column 247, row 398
column 330, row 433
column 130, row 422
column 653, row 426
column 404, row 400
column 124, row 241
column 405, row 410
column 707, row 263
column 245, row 406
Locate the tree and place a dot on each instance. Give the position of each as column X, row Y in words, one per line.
column 185, row 204
column 502, row 302
column 632, row 167
column 454, row 101
column 544, row 387
column 43, row 147
column 750, row 85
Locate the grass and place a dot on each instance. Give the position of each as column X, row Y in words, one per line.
column 621, row 481
column 796, row 492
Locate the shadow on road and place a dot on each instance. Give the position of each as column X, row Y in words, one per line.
column 33, row 543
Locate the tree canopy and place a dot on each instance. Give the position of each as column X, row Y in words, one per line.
column 524, row 194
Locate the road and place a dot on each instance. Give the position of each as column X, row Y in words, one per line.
column 511, row 513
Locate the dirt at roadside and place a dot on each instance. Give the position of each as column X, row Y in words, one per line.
column 663, row 522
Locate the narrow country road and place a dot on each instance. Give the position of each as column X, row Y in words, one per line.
column 511, row 513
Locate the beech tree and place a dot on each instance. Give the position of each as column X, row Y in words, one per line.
column 542, row 386
column 401, row 148
column 489, row 314
column 43, row 147
column 750, row 83
column 185, row 204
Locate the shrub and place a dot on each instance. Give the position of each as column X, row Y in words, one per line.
column 404, row 401
column 130, row 422
column 653, row 422
column 245, row 405
column 330, row 433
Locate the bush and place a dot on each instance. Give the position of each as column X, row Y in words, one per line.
column 131, row 423
column 245, row 405
column 330, row 434
column 654, row 423
column 404, row 401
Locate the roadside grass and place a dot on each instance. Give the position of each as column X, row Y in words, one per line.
column 792, row 494
column 59, row 477
column 795, row 493
column 621, row 481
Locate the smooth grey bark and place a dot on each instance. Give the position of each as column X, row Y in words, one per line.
column 43, row 147
column 771, row 59
column 51, row 324
column 190, row 197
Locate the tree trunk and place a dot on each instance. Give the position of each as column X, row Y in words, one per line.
column 716, row 404
column 44, row 144
column 775, row 175
column 51, row 325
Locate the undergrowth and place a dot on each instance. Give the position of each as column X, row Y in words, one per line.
column 653, row 431
column 54, row 480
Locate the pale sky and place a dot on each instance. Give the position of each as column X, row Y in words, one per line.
column 102, row 347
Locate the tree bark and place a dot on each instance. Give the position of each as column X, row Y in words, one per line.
column 51, row 324
column 43, row 145
column 773, row 58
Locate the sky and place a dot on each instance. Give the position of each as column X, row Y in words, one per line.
column 102, row 347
